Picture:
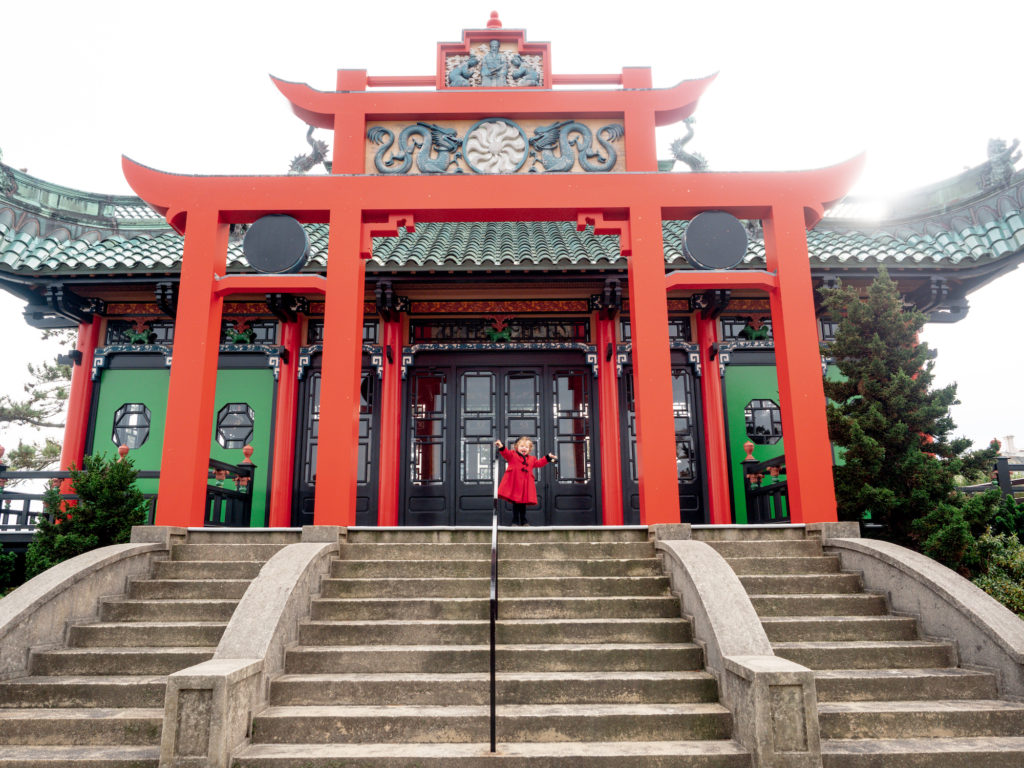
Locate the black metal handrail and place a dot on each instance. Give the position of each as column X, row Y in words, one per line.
column 766, row 502
column 494, row 620
column 1001, row 479
column 228, row 507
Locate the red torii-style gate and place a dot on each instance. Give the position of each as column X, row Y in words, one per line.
column 359, row 206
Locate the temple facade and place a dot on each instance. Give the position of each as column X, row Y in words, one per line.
column 501, row 267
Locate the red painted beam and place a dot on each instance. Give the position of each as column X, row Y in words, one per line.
column 231, row 284
column 702, row 279
column 76, row 427
column 319, row 108
column 497, row 197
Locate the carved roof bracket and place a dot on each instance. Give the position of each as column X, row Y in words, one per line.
column 287, row 307
column 72, row 306
column 167, row 299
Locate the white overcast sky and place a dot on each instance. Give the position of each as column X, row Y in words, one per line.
column 183, row 87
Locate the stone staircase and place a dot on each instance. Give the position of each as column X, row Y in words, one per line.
column 886, row 696
column 98, row 698
column 391, row 667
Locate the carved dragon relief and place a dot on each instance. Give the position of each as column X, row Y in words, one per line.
column 495, row 145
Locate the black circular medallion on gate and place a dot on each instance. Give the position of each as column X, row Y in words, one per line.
column 276, row 243
column 714, row 240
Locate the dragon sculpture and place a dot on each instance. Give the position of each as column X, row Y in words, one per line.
column 695, row 160
column 305, row 163
column 1001, row 159
column 443, row 141
column 559, row 136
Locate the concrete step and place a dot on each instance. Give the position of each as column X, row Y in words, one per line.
column 481, row 569
column 578, row 754
column 507, row 587
column 836, row 628
column 116, row 661
column 920, row 719
column 408, row 632
column 663, row 606
column 80, row 757
column 188, row 589
column 117, row 609
column 473, row 688
column 510, row 658
column 819, row 605
column 753, row 548
column 462, row 724
column 802, row 584
column 84, row 691
column 541, row 550
column 903, row 684
column 980, row 752
column 710, row 533
column 868, row 654
column 88, row 726
column 744, row 566
column 145, row 634
column 220, row 552
column 482, row 535
column 245, row 536
column 206, row 569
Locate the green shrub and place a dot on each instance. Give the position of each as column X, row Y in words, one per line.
column 108, row 506
column 1003, row 556
column 8, row 565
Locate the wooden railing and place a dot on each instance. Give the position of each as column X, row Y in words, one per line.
column 767, row 491
column 1001, row 479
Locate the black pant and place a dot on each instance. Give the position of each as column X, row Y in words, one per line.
column 518, row 513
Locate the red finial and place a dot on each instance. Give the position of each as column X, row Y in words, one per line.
column 749, row 448
column 494, row 22
column 247, row 452
column 122, row 451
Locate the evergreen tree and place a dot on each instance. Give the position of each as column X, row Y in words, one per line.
column 108, row 506
column 900, row 463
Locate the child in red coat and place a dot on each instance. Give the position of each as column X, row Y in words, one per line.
column 518, row 484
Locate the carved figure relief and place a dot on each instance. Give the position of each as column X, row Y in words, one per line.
column 495, row 145
column 490, row 67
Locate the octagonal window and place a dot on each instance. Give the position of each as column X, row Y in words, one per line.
column 131, row 425
column 764, row 421
column 234, row 425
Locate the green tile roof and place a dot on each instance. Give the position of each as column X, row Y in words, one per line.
column 514, row 245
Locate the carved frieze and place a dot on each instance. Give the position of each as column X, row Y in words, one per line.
column 494, row 64
column 495, row 145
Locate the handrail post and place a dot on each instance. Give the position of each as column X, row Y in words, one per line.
column 494, row 609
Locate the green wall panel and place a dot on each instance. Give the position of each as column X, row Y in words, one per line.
column 744, row 383
column 254, row 387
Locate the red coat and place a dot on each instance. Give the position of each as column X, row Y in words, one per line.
column 518, row 484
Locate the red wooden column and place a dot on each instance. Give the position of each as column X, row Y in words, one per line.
column 652, row 369
column 285, row 410
column 389, row 463
column 338, row 449
column 798, row 360
column 716, row 455
column 77, row 426
column 609, row 439
column 190, row 398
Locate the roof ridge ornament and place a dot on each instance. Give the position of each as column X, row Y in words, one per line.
column 695, row 160
column 494, row 22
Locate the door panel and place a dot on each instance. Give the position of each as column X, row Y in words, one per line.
column 308, row 439
column 688, row 442
column 458, row 407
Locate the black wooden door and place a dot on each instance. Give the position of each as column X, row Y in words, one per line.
column 308, row 435
column 459, row 405
column 689, row 440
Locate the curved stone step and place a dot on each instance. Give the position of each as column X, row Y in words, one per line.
column 252, row 552
column 95, row 726
column 838, row 628
column 575, row 550
column 208, row 569
column 787, row 548
column 506, row 534
column 145, row 634
column 432, row 724
column 580, row 754
column 868, row 654
column 819, row 605
column 983, row 752
column 349, row 568
column 904, row 684
column 802, row 584
column 353, row 609
column 116, row 661
column 399, row 632
column 752, row 566
column 920, row 719
column 507, row 587
column 473, row 688
column 476, row 658
column 188, row 589
column 80, row 756
column 119, row 609
column 84, row 691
